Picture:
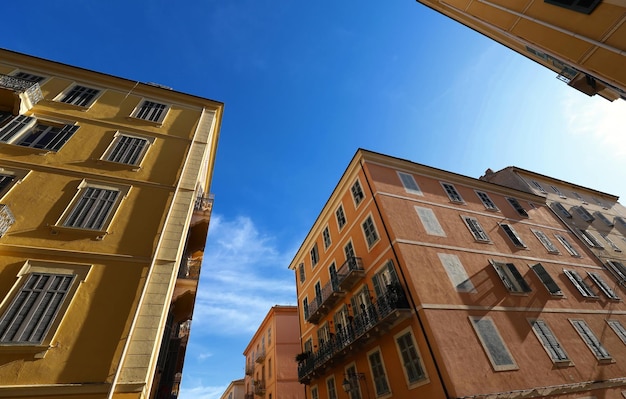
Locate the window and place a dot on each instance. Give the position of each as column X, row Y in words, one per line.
column 604, row 287
column 349, row 250
column 561, row 209
column 584, row 214
column 315, row 255
column 357, row 193
column 92, row 207
column 590, row 239
column 334, row 278
column 452, row 193
column 326, row 237
column 511, row 278
column 618, row 269
column 583, row 6
column 430, row 222
column 269, row 368
column 381, row 385
column 29, row 76
column 580, row 284
column 314, row 393
column 27, row 131
column 611, row 243
column 384, row 278
column 590, row 339
column 494, row 346
column 476, row 229
column 517, row 206
column 323, row 335
column 621, row 221
column 549, row 341
column 127, row 149
column 456, row 273
column 371, row 235
column 578, row 197
column 618, row 328
column 361, row 302
column 558, row 192
column 10, row 177
column 33, row 310
column 604, row 219
column 538, row 186
column 302, row 273
column 567, row 245
column 512, row 234
column 331, row 387
column 305, row 308
column 411, row 362
column 547, row 280
column 269, row 336
column 487, row 202
column 545, row 241
column 308, row 345
column 151, row 111
column 355, row 386
column 79, row 95
column 410, row 186
column 341, row 217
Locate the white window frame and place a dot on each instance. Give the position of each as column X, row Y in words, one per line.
column 351, row 373
column 497, row 367
column 82, row 190
column 358, row 195
column 16, row 176
column 370, row 239
column 567, row 245
column 456, row 272
column 592, row 341
column 117, row 141
column 590, row 239
column 512, row 234
column 545, row 241
column 429, row 221
column 546, row 279
column 550, row 343
column 378, row 373
column 538, row 186
column 557, row 191
column 40, row 78
column 315, row 392
column 301, row 272
column 604, row 287
column 610, row 242
column 618, row 329
column 137, row 112
column 452, row 193
column 517, row 206
column 486, row 200
column 91, row 97
column 20, row 127
column 340, row 216
column 314, row 255
column 326, row 238
column 618, row 268
column 331, row 387
column 409, row 183
column 475, row 228
column 32, row 266
column 415, row 357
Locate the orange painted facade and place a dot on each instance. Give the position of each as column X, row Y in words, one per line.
column 465, row 289
column 584, row 42
column 270, row 357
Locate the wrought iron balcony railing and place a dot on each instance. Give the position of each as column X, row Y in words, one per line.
column 6, row 219
column 249, row 369
column 190, row 269
column 29, row 89
column 260, row 357
column 259, row 387
column 330, row 295
column 388, row 310
column 249, row 395
column 350, row 273
column 204, row 203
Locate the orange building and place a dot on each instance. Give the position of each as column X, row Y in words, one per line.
column 583, row 41
column 271, row 369
column 417, row 282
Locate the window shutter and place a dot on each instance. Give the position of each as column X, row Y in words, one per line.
column 549, row 341
column 546, row 279
column 501, row 273
column 603, row 285
column 518, row 277
column 15, row 126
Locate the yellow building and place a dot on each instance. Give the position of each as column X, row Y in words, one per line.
column 105, row 205
column 584, row 41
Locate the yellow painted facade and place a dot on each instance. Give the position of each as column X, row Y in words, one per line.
column 583, row 41
column 418, row 282
column 105, row 205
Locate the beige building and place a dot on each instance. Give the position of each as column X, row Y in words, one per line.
column 597, row 218
column 235, row 390
column 271, row 368
column 104, row 212
column 583, row 41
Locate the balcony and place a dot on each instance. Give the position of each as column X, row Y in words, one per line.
column 259, row 388
column 350, row 273
column 6, row 219
column 204, row 203
column 249, row 369
column 375, row 320
column 190, row 269
column 260, row 357
column 249, row 396
column 330, row 295
column 18, row 95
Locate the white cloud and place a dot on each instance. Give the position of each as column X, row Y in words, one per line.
column 202, row 392
column 243, row 275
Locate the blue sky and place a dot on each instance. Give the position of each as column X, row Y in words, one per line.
column 304, row 85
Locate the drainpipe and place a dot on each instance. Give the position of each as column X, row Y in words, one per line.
column 518, row 39
column 417, row 315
